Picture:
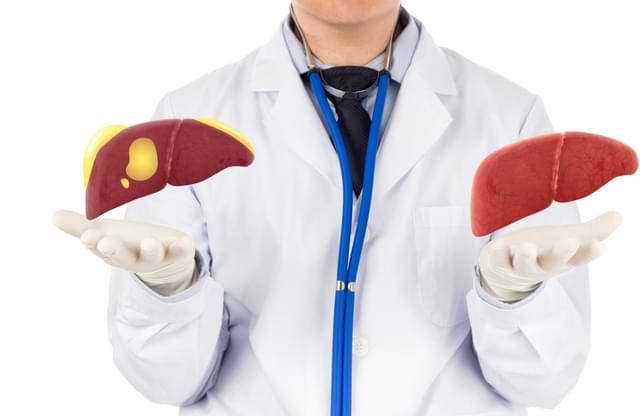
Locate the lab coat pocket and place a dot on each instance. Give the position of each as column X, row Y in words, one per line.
column 446, row 252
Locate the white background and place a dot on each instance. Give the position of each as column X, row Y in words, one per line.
column 69, row 67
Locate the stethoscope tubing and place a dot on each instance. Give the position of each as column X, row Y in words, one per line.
column 358, row 241
column 345, row 234
column 347, row 269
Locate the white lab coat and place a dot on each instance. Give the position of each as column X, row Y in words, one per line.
column 253, row 336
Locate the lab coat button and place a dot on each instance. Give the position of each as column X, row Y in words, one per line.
column 360, row 347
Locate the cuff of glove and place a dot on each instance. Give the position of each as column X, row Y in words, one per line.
column 169, row 287
column 514, row 301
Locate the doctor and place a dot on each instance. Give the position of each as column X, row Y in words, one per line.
column 222, row 292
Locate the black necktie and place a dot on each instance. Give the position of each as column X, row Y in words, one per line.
column 353, row 119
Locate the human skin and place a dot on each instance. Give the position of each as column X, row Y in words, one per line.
column 347, row 32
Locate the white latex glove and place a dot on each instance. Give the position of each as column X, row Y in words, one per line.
column 161, row 257
column 515, row 264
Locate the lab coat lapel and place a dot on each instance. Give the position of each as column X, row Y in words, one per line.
column 293, row 119
column 418, row 118
column 297, row 351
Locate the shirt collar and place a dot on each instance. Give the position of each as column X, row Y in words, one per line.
column 403, row 48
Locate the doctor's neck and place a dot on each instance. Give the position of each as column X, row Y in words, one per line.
column 347, row 32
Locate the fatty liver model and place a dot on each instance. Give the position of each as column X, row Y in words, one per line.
column 125, row 163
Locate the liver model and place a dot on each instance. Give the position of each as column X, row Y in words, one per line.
column 125, row 163
column 525, row 177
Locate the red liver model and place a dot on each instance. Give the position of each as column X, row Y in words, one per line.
column 526, row 177
column 123, row 164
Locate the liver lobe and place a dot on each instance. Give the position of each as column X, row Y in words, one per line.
column 187, row 150
column 525, row 177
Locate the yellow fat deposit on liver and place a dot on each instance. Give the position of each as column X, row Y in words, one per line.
column 102, row 137
column 143, row 159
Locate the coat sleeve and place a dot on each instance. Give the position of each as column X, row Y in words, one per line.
column 533, row 351
column 169, row 347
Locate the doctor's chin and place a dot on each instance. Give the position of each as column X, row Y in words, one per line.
column 350, row 220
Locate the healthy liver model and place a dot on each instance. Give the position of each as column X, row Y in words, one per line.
column 523, row 178
column 125, row 163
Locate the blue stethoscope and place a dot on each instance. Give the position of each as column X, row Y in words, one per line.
column 341, row 378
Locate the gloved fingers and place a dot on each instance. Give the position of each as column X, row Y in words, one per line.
column 499, row 256
column 600, row 227
column 181, row 247
column 70, row 222
column 151, row 251
column 588, row 251
column 90, row 239
column 116, row 252
column 525, row 259
column 557, row 259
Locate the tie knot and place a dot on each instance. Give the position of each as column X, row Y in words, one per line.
column 350, row 79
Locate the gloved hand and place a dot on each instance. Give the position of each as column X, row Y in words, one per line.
column 161, row 257
column 515, row 264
